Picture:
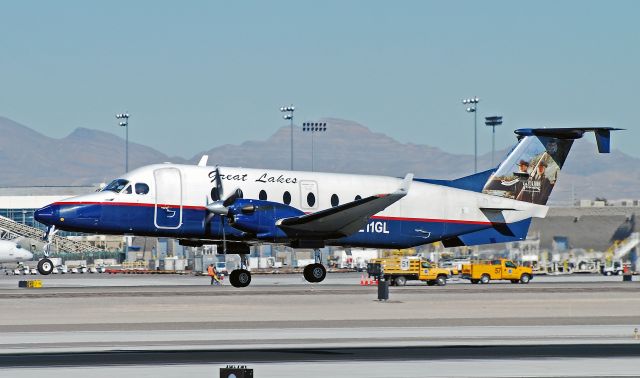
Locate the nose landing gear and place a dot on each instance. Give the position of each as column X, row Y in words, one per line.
column 45, row 266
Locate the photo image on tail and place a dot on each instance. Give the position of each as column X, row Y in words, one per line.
column 531, row 170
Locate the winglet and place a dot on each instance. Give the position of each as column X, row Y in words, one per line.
column 406, row 184
column 203, row 161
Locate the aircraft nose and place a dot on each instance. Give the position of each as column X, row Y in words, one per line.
column 46, row 215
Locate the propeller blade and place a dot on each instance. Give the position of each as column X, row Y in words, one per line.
column 232, row 198
column 217, row 192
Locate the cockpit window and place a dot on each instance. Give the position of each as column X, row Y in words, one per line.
column 116, row 186
column 128, row 189
column 142, row 188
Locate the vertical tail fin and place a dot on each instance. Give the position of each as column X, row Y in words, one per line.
column 531, row 170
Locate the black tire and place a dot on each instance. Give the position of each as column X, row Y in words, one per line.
column 475, row 281
column 401, row 281
column 485, row 279
column 45, row 267
column 619, row 273
column 608, row 273
column 315, row 273
column 441, row 280
column 240, row 278
column 525, row 279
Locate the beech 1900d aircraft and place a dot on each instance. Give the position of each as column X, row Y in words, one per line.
column 236, row 208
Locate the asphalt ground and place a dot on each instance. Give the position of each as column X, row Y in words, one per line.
column 165, row 326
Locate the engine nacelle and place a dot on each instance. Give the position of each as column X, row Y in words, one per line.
column 259, row 217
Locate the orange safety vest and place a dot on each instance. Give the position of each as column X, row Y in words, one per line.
column 210, row 271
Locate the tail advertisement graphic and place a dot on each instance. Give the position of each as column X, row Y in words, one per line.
column 531, row 170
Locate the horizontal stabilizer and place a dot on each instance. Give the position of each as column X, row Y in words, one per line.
column 603, row 134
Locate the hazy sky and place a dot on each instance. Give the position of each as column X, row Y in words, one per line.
column 197, row 74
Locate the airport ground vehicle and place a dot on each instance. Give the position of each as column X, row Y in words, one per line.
column 613, row 268
column 502, row 269
column 398, row 270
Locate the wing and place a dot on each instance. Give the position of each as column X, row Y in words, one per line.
column 343, row 220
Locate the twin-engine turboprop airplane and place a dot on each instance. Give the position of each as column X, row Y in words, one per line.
column 239, row 207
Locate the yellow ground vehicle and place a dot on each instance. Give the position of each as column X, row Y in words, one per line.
column 503, row 269
column 398, row 270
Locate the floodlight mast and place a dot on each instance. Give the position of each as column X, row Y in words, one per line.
column 473, row 108
column 125, row 123
column 289, row 109
column 493, row 121
column 313, row 127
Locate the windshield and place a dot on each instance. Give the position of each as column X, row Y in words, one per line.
column 116, row 186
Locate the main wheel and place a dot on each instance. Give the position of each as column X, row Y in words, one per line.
column 525, row 279
column 240, row 278
column 314, row 273
column 401, row 281
column 45, row 266
column 485, row 279
column 441, row 280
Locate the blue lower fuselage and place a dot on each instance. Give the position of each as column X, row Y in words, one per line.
column 189, row 223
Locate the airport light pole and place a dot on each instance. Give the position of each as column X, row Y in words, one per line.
column 314, row 127
column 473, row 108
column 493, row 121
column 125, row 123
column 289, row 109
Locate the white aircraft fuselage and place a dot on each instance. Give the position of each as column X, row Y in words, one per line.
column 171, row 200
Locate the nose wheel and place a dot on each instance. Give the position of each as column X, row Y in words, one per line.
column 45, row 266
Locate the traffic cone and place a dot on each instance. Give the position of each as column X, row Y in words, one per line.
column 362, row 280
column 371, row 281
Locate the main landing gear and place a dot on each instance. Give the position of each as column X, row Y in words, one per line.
column 241, row 277
column 45, row 266
column 315, row 272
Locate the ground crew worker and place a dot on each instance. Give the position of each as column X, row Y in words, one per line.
column 211, row 271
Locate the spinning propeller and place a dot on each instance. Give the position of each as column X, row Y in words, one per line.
column 220, row 206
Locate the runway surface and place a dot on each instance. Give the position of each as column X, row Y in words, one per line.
column 165, row 326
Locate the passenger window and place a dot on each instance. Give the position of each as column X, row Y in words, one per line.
column 142, row 188
column 509, row 264
column 128, row 189
column 311, row 199
column 335, row 201
column 426, row 265
column 263, row 195
column 286, row 198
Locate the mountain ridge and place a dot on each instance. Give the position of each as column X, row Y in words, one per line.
column 87, row 156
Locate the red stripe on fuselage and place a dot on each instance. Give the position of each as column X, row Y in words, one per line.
column 133, row 204
column 425, row 220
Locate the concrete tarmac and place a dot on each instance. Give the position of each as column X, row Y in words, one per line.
column 89, row 323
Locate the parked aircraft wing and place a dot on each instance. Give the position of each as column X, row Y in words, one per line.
column 342, row 220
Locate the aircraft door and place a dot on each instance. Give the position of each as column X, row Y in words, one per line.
column 309, row 195
column 168, row 206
